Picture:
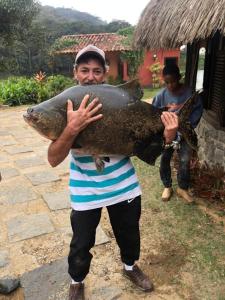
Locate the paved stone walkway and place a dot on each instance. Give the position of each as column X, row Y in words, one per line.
column 34, row 200
column 35, row 227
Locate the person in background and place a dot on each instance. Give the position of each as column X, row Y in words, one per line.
column 116, row 187
column 173, row 97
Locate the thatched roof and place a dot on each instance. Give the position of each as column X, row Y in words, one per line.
column 171, row 23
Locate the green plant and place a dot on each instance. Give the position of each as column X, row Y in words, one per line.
column 133, row 57
column 134, row 60
column 22, row 90
column 17, row 91
column 61, row 44
column 57, row 83
column 156, row 70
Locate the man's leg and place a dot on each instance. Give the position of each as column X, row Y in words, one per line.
column 84, row 224
column 124, row 218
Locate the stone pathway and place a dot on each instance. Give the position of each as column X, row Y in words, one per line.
column 35, row 227
column 34, row 203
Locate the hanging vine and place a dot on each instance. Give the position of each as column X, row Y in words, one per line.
column 133, row 58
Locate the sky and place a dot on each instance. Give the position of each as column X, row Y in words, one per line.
column 126, row 10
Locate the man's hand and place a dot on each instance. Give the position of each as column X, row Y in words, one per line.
column 170, row 121
column 77, row 120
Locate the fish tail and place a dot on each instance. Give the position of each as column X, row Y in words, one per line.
column 185, row 127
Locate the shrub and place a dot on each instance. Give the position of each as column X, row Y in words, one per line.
column 56, row 84
column 21, row 90
column 17, row 91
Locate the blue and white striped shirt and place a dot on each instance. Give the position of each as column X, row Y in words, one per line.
column 91, row 189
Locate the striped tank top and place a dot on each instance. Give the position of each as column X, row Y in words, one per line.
column 91, row 189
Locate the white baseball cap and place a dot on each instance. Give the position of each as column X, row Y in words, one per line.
column 92, row 49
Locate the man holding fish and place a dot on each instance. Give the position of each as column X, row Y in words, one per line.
column 115, row 188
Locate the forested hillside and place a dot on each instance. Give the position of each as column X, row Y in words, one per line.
column 25, row 46
column 62, row 15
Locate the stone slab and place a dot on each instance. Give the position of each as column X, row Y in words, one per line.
column 18, row 149
column 63, row 168
column 106, row 293
column 38, row 178
column 18, row 194
column 7, row 285
column 4, row 258
column 3, row 159
column 7, row 140
column 29, row 162
column 22, row 133
column 3, row 133
column 101, row 237
column 46, row 282
column 57, row 200
column 28, row 226
column 51, row 282
column 9, row 172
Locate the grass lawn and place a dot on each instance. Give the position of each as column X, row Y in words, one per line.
column 182, row 246
column 150, row 92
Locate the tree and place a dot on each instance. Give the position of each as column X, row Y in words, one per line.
column 133, row 57
column 15, row 15
column 116, row 25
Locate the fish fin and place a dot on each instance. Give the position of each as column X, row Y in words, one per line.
column 150, row 151
column 185, row 127
column 99, row 162
column 189, row 135
column 187, row 107
column 133, row 88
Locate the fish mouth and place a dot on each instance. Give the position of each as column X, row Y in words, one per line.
column 36, row 121
column 30, row 118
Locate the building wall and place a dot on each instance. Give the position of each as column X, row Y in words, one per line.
column 152, row 57
column 211, row 143
column 145, row 76
column 113, row 59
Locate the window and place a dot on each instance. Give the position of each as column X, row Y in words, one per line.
column 170, row 60
column 200, row 71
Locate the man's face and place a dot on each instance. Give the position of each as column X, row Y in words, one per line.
column 90, row 72
column 172, row 82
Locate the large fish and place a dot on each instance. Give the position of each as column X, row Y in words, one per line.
column 129, row 126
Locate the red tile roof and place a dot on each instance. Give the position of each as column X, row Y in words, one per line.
column 104, row 41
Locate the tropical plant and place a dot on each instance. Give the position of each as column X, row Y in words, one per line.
column 156, row 70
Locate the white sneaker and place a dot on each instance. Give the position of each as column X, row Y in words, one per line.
column 167, row 194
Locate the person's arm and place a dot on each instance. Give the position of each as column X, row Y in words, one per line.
column 76, row 121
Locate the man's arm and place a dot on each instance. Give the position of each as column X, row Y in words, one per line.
column 76, row 121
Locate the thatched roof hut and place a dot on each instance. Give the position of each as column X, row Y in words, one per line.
column 171, row 23
column 196, row 23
